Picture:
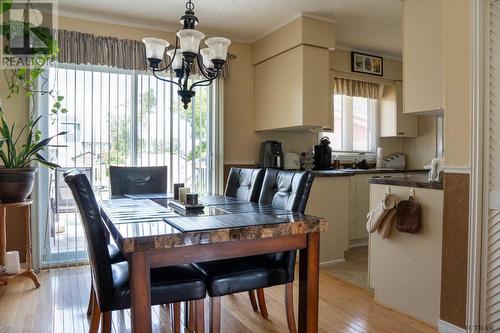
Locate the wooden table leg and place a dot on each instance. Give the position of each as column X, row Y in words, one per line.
column 309, row 285
column 29, row 266
column 140, row 290
column 3, row 235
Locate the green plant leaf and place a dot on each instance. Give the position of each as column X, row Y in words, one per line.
column 5, row 6
column 60, row 98
column 64, row 110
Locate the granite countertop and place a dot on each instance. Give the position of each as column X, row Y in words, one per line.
column 419, row 181
column 352, row 172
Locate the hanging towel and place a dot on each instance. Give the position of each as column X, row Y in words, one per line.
column 385, row 227
column 377, row 215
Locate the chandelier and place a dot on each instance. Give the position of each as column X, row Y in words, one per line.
column 210, row 59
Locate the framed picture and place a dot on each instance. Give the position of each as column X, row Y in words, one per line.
column 367, row 64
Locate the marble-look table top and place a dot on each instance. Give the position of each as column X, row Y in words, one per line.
column 138, row 225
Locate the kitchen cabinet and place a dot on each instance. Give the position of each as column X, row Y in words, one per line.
column 393, row 122
column 329, row 199
column 423, row 80
column 292, row 90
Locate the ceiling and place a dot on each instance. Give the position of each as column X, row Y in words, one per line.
column 365, row 25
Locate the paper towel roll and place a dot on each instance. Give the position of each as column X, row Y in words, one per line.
column 380, row 157
column 12, row 265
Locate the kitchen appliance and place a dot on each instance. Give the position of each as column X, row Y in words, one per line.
column 395, row 161
column 292, row 161
column 323, row 154
column 271, row 155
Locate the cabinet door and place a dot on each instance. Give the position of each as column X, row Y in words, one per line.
column 423, row 55
column 407, row 124
column 362, row 205
column 393, row 122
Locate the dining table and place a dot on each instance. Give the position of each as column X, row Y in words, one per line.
column 153, row 233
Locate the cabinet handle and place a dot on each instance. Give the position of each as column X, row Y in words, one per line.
column 401, row 133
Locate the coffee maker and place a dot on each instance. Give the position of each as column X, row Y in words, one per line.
column 271, row 155
column 323, row 155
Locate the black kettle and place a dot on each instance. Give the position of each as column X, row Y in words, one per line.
column 323, row 154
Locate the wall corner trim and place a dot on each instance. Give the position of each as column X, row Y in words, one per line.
column 465, row 170
column 445, row 327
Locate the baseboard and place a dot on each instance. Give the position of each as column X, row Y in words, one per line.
column 358, row 243
column 331, row 262
column 445, row 327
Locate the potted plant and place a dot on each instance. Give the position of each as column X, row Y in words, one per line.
column 18, row 153
column 20, row 149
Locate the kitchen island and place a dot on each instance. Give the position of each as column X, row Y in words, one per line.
column 405, row 269
column 342, row 197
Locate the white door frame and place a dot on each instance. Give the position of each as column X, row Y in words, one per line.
column 479, row 163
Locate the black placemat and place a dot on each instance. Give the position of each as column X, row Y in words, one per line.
column 219, row 200
column 150, row 196
column 204, row 223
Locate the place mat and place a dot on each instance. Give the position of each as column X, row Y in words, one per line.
column 250, row 207
column 205, row 223
column 219, row 200
column 130, row 211
column 150, row 196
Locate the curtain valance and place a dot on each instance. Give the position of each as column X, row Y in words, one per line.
column 84, row 48
column 356, row 88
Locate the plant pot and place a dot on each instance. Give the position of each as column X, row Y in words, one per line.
column 16, row 184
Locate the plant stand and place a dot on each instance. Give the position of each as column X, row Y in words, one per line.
column 27, row 269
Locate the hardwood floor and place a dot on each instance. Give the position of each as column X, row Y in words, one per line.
column 60, row 305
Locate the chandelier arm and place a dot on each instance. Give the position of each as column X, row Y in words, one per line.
column 206, row 72
column 163, row 79
column 173, row 56
column 200, row 83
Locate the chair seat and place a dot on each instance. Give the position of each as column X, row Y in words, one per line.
column 168, row 285
column 115, row 255
column 230, row 276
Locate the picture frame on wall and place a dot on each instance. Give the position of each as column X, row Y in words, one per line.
column 367, row 64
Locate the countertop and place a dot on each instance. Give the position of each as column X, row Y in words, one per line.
column 352, row 172
column 420, row 181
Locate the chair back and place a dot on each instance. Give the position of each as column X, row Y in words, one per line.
column 138, row 180
column 287, row 190
column 95, row 232
column 244, row 184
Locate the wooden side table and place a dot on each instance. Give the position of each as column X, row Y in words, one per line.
column 26, row 270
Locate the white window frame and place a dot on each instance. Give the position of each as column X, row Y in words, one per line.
column 347, row 126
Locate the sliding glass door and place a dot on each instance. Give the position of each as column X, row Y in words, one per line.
column 117, row 117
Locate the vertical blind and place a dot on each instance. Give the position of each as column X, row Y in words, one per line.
column 119, row 117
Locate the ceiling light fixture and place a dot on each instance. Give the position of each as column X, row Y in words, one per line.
column 210, row 59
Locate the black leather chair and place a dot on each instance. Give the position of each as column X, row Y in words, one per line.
column 168, row 284
column 282, row 189
column 244, row 184
column 138, row 180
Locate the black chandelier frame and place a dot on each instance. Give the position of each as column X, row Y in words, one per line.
column 182, row 74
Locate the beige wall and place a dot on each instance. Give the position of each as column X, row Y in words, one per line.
column 420, row 150
column 456, row 82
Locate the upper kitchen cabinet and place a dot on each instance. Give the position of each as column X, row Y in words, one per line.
column 423, row 56
column 292, row 77
column 393, row 122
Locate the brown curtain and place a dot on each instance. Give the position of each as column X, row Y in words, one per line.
column 356, row 88
column 83, row 48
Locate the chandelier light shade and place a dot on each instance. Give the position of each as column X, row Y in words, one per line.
column 186, row 50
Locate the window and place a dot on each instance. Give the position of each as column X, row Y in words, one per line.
column 354, row 124
column 119, row 117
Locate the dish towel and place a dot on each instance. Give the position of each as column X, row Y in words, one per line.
column 377, row 216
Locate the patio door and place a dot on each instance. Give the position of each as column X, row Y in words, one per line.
column 117, row 117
